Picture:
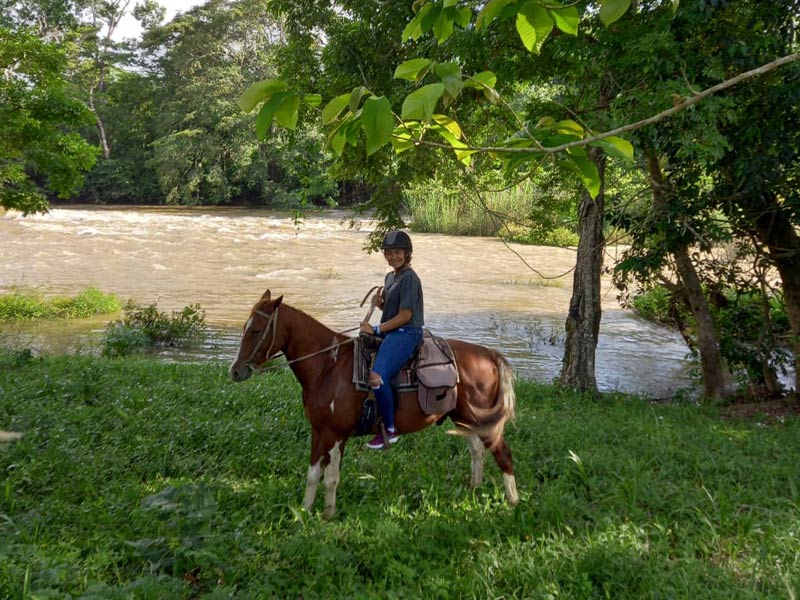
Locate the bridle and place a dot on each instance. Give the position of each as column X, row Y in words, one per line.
column 272, row 321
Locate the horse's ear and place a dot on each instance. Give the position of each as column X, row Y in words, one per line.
column 267, row 295
column 277, row 301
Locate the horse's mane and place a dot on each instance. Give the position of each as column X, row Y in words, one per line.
column 311, row 322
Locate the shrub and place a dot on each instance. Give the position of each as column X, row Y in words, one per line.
column 144, row 327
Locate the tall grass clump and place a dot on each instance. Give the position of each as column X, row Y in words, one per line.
column 517, row 214
column 146, row 327
column 147, row 479
column 27, row 304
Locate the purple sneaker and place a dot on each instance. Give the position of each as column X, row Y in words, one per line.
column 376, row 443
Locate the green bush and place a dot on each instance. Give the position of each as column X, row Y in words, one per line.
column 144, row 327
column 22, row 304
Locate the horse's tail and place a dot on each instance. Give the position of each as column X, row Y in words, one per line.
column 491, row 421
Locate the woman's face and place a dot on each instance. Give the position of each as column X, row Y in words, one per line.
column 396, row 257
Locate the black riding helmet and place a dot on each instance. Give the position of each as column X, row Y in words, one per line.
column 397, row 239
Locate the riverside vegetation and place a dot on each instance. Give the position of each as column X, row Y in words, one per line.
column 144, row 479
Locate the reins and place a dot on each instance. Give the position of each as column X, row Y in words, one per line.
column 272, row 319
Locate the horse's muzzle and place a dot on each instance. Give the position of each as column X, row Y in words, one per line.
column 240, row 372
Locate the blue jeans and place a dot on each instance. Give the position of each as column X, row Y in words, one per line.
column 395, row 350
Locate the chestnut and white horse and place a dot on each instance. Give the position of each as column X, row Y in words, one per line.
column 333, row 405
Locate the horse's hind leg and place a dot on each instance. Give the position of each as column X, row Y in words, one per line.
column 502, row 456
column 332, row 478
column 478, row 453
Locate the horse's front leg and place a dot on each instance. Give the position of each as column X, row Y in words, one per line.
column 326, row 454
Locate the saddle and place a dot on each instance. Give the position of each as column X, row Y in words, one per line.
column 431, row 371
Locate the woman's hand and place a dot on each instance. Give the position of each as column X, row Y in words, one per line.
column 377, row 299
column 366, row 328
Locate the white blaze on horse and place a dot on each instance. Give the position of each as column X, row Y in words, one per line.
column 333, row 405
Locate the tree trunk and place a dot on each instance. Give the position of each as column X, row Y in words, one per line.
column 778, row 234
column 583, row 321
column 715, row 374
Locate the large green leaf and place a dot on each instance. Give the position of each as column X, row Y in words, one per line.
column 566, row 19
column 464, row 16
column 450, row 124
column 450, row 74
column 490, row 11
column 338, row 137
column 355, row 97
column 443, row 27
column 260, row 90
column 334, row 107
column 287, row 112
column 616, row 147
column 587, row 172
column 533, row 25
column 420, row 104
column 267, row 113
column 611, row 10
column 312, row 99
column 458, row 146
column 482, row 80
column 411, row 69
column 377, row 122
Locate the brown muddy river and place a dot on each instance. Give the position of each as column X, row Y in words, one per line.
column 476, row 289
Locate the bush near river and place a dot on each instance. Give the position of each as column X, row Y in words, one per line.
column 143, row 479
column 26, row 304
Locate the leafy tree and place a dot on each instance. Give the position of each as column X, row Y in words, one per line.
column 42, row 151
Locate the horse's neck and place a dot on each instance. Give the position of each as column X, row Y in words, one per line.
column 305, row 337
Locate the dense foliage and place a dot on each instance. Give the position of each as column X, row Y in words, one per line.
column 145, row 327
column 140, row 479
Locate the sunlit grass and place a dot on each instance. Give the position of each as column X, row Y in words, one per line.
column 140, row 479
column 27, row 304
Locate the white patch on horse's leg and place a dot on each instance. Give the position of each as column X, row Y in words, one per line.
column 332, row 480
column 510, row 484
column 478, row 453
column 312, row 479
column 332, row 406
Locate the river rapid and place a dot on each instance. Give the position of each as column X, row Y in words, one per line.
column 476, row 289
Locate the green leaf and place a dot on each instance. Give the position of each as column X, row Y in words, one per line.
column 482, row 80
column 450, row 74
column 353, row 130
column 287, row 112
column 420, row 104
column 355, row 97
column 616, row 147
column 675, row 4
column 457, row 144
column 443, row 26
column 411, row 69
column 413, row 30
column 334, row 107
column 260, row 90
column 312, row 99
column 489, row 12
column 377, row 122
column 429, row 16
column 450, row 124
column 464, row 16
column 569, row 126
column 588, row 174
column 267, row 113
column 448, row 3
column 566, row 19
column 611, row 10
column 533, row 26
column 402, row 136
column 338, row 137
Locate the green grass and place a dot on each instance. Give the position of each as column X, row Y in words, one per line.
column 25, row 304
column 142, row 479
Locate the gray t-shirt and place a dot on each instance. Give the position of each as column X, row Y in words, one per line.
column 403, row 291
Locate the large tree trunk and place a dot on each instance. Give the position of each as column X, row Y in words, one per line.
column 715, row 375
column 778, row 234
column 583, row 321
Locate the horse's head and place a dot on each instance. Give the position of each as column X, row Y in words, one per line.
column 261, row 338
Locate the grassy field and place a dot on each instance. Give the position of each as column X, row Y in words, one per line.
column 141, row 479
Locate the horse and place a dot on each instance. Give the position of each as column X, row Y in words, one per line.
column 322, row 361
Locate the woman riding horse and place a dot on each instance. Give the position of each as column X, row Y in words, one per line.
column 400, row 328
